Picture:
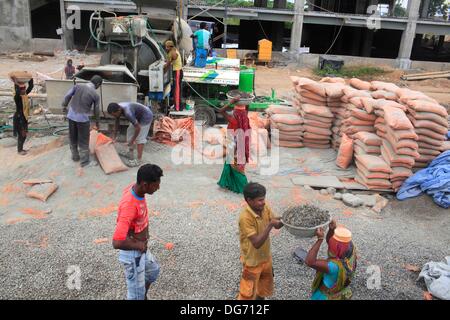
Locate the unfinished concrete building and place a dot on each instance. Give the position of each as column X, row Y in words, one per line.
column 402, row 30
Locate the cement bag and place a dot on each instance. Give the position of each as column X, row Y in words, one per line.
column 386, row 86
column 429, row 152
column 408, row 152
column 314, row 123
column 373, row 163
column 429, row 141
column 402, row 134
column 373, row 183
column 430, row 134
column 352, row 121
column 42, row 191
column 363, row 115
column 431, row 126
column 368, row 138
column 314, row 136
column 368, row 149
column 333, row 80
column 316, row 146
column 368, row 104
column 291, row 119
column 407, row 95
column 313, row 96
column 258, row 120
column 355, row 129
column 286, row 127
column 380, row 103
column 425, row 145
column 301, row 80
column 316, row 118
column 345, row 153
column 438, row 119
column 289, row 144
column 317, row 111
column 317, row 141
column 350, row 93
column 381, row 94
column 371, row 175
column 317, row 130
column 427, row 106
column 356, row 101
column 305, row 100
column 276, row 109
column 445, row 146
column 359, row 84
column 280, row 135
column 389, row 154
column 93, row 140
column 316, row 88
column 425, row 158
column 403, row 143
column 334, row 90
column 396, row 118
column 109, row 159
column 400, row 172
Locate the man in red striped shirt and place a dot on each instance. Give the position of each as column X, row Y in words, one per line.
column 131, row 234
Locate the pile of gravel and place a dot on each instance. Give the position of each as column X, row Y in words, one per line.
column 305, row 216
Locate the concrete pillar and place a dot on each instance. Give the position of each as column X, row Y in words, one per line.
column 297, row 27
column 408, row 35
column 67, row 36
column 425, row 7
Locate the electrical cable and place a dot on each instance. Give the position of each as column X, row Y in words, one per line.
column 265, row 34
column 335, row 38
column 204, row 99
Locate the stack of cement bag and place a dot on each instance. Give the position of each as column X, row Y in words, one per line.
column 213, row 142
column 399, row 146
column 372, row 172
column 354, row 117
column 430, row 123
column 286, row 126
column 317, row 125
column 367, row 143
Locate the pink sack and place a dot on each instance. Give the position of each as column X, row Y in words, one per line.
column 290, row 119
column 368, row 138
column 317, row 111
column 427, row 106
column 359, row 84
column 345, row 154
column 109, row 159
column 277, row 109
column 440, row 120
column 373, row 163
column 396, row 118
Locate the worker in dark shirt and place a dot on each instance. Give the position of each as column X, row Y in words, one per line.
column 80, row 100
column 20, row 119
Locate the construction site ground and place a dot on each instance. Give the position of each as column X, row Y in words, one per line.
column 39, row 251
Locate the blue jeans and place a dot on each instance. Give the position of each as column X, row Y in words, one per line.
column 141, row 270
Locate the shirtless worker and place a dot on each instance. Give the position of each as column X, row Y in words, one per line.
column 131, row 234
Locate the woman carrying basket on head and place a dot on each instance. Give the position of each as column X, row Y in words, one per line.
column 238, row 147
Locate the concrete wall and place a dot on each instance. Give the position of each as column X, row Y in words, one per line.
column 312, row 60
column 45, row 45
column 15, row 30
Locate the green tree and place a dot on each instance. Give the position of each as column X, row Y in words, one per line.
column 399, row 11
column 438, row 7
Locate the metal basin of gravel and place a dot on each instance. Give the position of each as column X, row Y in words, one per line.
column 245, row 98
column 302, row 221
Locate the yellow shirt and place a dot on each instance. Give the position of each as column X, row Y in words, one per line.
column 252, row 224
column 177, row 64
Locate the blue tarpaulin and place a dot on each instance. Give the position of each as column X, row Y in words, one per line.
column 433, row 180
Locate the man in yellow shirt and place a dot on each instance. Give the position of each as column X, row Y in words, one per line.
column 174, row 60
column 255, row 223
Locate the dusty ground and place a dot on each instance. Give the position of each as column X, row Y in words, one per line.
column 37, row 251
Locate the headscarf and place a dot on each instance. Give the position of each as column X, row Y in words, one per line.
column 339, row 250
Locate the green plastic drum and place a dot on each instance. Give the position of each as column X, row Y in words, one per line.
column 246, row 80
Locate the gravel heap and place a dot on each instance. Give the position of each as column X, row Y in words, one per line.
column 305, row 216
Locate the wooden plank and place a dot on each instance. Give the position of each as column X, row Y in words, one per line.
column 425, row 73
column 423, row 77
column 318, row 181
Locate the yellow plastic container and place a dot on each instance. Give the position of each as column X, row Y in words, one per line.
column 264, row 50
